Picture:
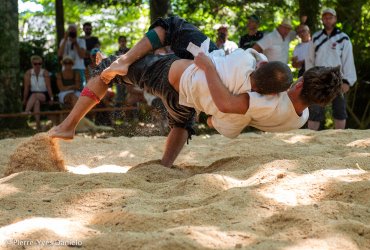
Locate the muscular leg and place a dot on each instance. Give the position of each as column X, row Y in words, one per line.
column 66, row 129
column 120, row 66
column 313, row 125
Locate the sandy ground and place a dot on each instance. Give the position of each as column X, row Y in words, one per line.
column 295, row 190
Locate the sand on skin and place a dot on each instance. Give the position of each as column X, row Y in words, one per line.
column 293, row 190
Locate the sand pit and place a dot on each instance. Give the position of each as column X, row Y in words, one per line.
column 294, row 190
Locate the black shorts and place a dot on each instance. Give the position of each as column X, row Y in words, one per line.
column 178, row 35
column 151, row 74
column 317, row 113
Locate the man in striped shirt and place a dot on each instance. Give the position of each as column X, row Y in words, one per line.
column 331, row 47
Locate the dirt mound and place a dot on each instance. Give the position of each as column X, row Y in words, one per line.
column 39, row 153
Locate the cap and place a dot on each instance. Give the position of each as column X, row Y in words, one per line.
column 286, row 23
column 254, row 17
column 329, row 11
column 94, row 51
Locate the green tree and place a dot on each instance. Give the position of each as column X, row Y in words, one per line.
column 10, row 101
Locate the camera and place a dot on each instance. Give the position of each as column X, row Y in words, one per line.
column 72, row 34
column 222, row 36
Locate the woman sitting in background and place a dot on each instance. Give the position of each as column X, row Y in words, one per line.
column 68, row 82
column 37, row 88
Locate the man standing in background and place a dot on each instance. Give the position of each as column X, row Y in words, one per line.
column 300, row 51
column 331, row 47
column 223, row 42
column 91, row 41
column 275, row 45
column 248, row 40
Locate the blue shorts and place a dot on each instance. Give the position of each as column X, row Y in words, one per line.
column 317, row 113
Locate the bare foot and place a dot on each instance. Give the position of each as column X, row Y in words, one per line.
column 116, row 68
column 60, row 133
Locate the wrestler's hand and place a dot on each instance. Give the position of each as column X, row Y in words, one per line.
column 116, row 68
column 203, row 61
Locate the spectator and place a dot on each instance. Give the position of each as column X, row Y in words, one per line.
column 301, row 50
column 275, row 45
column 37, row 88
column 75, row 48
column 122, row 46
column 248, row 40
column 68, row 82
column 92, row 65
column 121, row 91
column 223, row 42
column 331, row 47
column 91, row 41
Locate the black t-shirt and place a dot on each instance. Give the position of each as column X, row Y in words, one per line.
column 248, row 41
column 90, row 44
column 122, row 51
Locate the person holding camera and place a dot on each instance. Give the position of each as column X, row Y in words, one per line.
column 222, row 41
column 75, row 48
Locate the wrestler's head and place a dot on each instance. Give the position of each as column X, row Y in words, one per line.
column 321, row 85
column 272, row 77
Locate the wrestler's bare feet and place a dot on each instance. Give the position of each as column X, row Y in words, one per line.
column 61, row 133
column 118, row 67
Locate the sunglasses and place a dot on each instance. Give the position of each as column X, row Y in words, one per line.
column 67, row 63
column 37, row 63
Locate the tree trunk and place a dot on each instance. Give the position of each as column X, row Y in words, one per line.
column 59, row 20
column 159, row 8
column 349, row 14
column 311, row 9
column 10, row 91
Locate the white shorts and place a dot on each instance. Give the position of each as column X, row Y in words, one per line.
column 63, row 94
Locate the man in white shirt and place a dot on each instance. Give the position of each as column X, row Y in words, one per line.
column 275, row 45
column 332, row 47
column 75, row 48
column 300, row 51
column 223, row 42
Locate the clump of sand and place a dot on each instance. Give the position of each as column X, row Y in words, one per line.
column 39, row 153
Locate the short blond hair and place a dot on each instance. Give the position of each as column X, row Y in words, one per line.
column 36, row 58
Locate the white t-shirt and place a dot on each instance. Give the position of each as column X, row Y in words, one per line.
column 234, row 70
column 269, row 113
column 274, row 47
column 301, row 51
column 78, row 61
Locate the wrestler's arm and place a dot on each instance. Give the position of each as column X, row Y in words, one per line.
column 225, row 101
column 209, row 121
column 175, row 141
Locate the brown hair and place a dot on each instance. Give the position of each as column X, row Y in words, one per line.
column 273, row 77
column 321, row 85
